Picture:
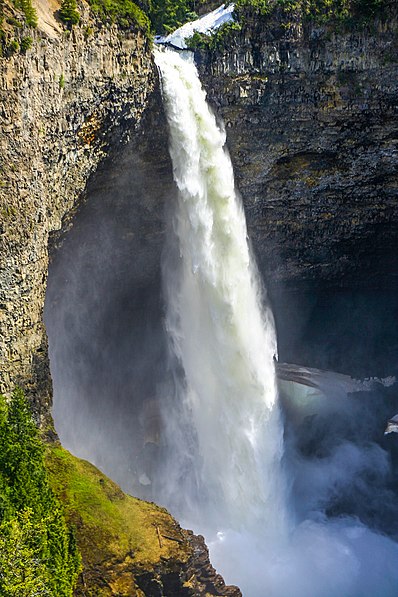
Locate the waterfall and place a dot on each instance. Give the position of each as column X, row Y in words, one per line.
column 223, row 430
column 222, row 447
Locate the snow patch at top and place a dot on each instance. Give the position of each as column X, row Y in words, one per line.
column 206, row 24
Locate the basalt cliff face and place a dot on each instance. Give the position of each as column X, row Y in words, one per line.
column 62, row 104
column 311, row 120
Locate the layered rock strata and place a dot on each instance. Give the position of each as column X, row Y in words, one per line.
column 311, row 118
column 62, row 105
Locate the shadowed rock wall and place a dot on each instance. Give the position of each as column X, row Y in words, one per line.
column 104, row 309
column 311, row 119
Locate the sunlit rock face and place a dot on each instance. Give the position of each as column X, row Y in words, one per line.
column 62, row 105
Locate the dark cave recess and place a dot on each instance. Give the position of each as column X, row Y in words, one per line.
column 352, row 330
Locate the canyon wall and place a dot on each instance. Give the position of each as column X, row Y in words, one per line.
column 311, row 119
column 310, row 116
column 63, row 103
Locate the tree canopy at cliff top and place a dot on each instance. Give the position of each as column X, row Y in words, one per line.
column 319, row 10
column 168, row 15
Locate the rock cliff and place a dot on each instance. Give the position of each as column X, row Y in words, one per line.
column 311, row 118
column 129, row 548
column 62, row 104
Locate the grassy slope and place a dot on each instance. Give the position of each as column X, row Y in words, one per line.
column 116, row 533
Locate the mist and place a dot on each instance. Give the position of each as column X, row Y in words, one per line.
column 343, row 499
column 104, row 312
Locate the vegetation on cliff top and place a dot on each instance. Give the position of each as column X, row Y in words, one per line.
column 124, row 13
column 339, row 14
column 317, row 10
column 15, row 17
column 68, row 13
column 166, row 15
column 38, row 554
column 163, row 16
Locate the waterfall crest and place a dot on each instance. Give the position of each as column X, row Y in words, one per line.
column 223, row 427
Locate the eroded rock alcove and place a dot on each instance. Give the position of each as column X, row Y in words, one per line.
column 104, row 309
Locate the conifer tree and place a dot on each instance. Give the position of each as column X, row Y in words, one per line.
column 38, row 553
column 69, row 13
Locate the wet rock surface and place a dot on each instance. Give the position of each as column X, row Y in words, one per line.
column 204, row 579
column 195, row 578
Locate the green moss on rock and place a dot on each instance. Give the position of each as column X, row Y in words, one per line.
column 120, row 537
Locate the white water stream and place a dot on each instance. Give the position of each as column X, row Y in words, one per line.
column 221, row 335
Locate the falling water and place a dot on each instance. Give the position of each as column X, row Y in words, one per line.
column 223, row 426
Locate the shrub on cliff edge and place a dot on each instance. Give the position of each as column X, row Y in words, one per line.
column 320, row 11
column 125, row 13
column 168, row 15
column 28, row 10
